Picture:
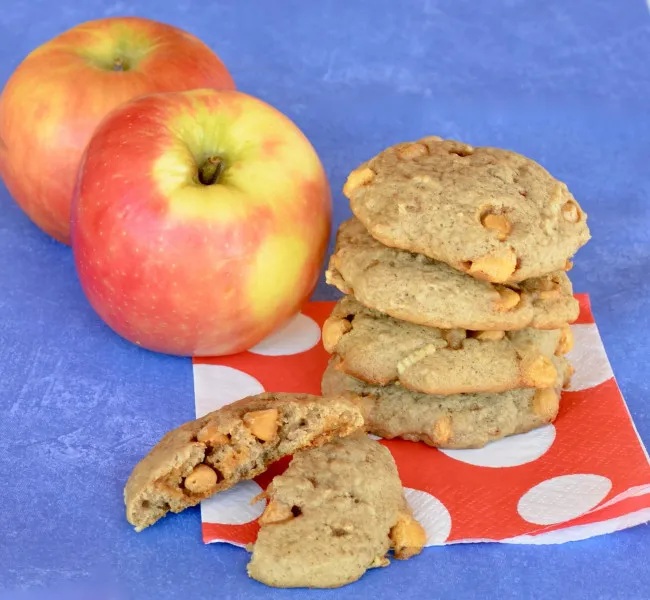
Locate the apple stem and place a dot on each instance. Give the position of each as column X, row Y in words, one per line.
column 118, row 64
column 211, row 170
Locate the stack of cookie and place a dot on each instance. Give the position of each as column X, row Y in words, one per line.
column 455, row 322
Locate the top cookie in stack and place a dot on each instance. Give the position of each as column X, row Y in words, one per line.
column 458, row 302
column 491, row 213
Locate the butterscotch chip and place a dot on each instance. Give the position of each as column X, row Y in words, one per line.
column 358, row 178
column 348, row 509
column 540, row 372
column 333, row 331
column 263, row 424
column 202, row 479
column 442, row 430
column 187, row 465
column 571, row 212
column 496, row 268
column 549, row 288
column 565, row 344
column 489, row 336
column 508, row 299
column 546, row 403
column 379, row 349
column 544, row 226
column 275, row 512
column 498, row 223
column 414, row 288
column 412, row 151
column 392, row 411
column 408, row 537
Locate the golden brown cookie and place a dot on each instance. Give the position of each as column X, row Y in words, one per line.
column 378, row 349
column 456, row 421
column 334, row 513
column 414, row 288
column 236, row 442
column 492, row 213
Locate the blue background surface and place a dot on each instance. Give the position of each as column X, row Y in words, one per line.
column 566, row 83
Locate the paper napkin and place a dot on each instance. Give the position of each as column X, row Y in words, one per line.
column 585, row 475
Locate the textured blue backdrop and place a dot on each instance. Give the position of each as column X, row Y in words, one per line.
column 566, row 83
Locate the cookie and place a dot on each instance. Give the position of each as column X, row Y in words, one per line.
column 236, row 442
column 455, row 421
column 492, row 213
column 334, row 513
column 414, row 288
column 381, row 350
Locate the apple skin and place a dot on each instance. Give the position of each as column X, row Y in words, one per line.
column 184, row 268
column 57, row 96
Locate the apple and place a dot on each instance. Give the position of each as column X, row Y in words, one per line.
column 56, row 97
column 200, row 221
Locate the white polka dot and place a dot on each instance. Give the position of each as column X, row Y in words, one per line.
column 233, row 506
column 588, row 357
column 563, row 498
column 217, row 385
column 508, row 452
column 431, row 514
column 298, row 335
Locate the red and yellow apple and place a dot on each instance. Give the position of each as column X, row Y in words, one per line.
column 61, row 91
column 200, row 221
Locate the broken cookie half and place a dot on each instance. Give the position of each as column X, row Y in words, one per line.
column 334, row 513
column 231, row 444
